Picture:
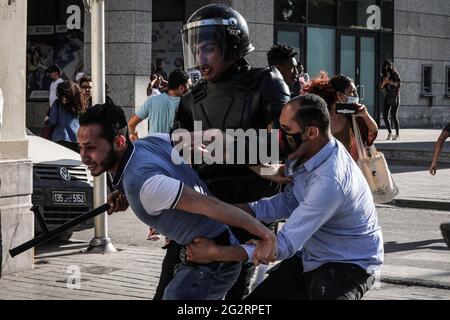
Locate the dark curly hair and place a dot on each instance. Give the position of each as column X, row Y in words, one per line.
column 280, row 53
column 177, row 78
column 388, row 67
column 76, row 102
column 110, row 117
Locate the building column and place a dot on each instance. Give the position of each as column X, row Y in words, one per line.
column 16, row 219
column 259, row 16
column 128, row 37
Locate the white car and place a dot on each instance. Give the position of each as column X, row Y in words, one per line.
column 62, row 185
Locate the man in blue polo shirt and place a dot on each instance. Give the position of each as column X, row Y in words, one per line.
column 168, row 197
column 331, row 244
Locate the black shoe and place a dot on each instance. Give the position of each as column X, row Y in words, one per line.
column 445, row 229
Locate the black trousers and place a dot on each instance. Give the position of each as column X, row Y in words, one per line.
column 331, row 281
column 391, row 108
column 171, row 259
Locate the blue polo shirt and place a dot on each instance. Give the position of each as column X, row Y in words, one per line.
column 152, row 183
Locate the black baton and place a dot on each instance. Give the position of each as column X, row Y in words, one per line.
column 47, row 235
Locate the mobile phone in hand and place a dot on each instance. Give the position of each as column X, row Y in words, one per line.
column 346, row 108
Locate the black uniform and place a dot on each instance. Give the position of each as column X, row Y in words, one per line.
column 241, row 98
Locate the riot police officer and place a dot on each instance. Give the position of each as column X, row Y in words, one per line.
column 231, row 95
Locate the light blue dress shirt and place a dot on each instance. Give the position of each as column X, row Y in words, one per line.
column 331, row 216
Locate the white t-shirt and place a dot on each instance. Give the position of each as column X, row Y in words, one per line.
column 160, row 192
column 53, row 87
column 155, row 92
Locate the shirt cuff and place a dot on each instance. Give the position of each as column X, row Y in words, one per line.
column 252, row 205
column 250, row 249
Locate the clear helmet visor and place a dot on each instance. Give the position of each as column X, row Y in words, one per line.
column 203, row 45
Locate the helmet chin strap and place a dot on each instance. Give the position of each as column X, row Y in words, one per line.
column 242, row 64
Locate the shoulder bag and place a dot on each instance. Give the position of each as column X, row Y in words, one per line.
column 375, row 169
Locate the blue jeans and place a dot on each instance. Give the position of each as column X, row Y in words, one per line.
column 202, row 282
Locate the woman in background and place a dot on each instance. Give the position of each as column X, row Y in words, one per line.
column 390, row 86
column 342, row 89
column 71, row 102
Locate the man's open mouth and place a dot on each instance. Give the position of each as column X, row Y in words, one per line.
column 204, row 69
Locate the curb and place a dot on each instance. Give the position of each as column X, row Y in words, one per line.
column 413, row 282
column 416, row 163
column 420, row 204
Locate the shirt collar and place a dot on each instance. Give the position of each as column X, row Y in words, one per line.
column 315, row 161
column 123, row 164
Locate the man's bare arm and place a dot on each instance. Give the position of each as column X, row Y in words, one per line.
column 132, row 123
column 215, row 209
column 437, row 151
column 203, row 250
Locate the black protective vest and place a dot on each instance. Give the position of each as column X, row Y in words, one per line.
column 230, row 104
column 247, row 99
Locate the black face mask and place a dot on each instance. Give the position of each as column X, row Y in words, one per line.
column 289, row 142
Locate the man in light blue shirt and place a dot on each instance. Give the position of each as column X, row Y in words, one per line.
column 160, row 109
column 331, row 243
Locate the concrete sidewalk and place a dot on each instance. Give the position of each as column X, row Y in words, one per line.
column 419, row 189
column 413, row 260
column 409, row 160
column 415, row 147
column 130, row 274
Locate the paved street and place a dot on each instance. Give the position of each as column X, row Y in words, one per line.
column 413, row 247
column 243, row 60
column 417, row 262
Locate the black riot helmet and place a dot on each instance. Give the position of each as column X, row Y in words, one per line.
column 218, row 24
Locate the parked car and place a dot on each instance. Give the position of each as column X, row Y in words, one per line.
column 62, row 184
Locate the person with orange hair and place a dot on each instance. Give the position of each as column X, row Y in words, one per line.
column 342, row 89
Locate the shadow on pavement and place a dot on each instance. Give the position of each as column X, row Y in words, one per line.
column 397, row 168
column 393, row 246
column 60, row 248
column 410, row 145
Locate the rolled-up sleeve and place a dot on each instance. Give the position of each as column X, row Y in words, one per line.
column 275, row 208
column 322, row 200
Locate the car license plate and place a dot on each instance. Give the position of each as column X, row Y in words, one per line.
column 63, row 197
